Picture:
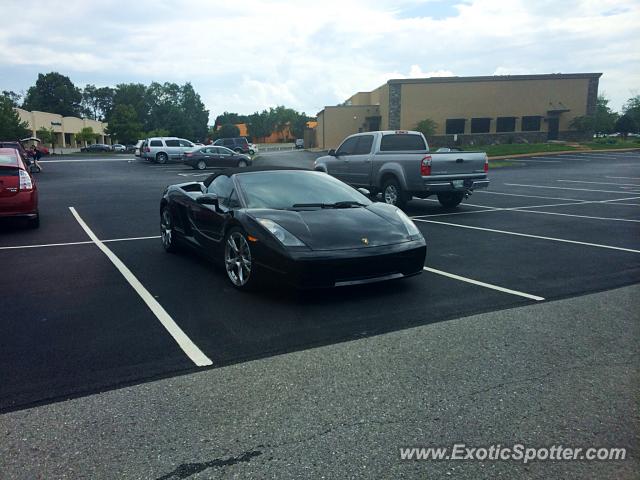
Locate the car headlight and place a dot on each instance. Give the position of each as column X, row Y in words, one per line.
column 412, row 230
column 285, row 237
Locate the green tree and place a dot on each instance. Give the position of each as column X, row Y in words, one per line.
column 11, row 127
column 298, row 124
column 260, row 125
column 602, row 121
column 54, row 93
column 134, row 95
column 97, row 102
column 177, row 109
column 626, row 124
column 632, row 108
column 13, row 97
column 47, row 135
column 228, row 130
column 86, row 135
column 427, row 127
column 124, row 124
column 160, row 132
column 229, row 117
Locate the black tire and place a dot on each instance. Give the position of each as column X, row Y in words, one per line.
column 34, row 222
column 242, row 163
column 201, row 165
column 450, row 199
column 167, row 231
column 239, row 259
column 237, row 150
column 393, row 194
column 162, row 158
column 251, row 152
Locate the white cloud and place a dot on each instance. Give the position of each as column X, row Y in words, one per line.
column 250, row 54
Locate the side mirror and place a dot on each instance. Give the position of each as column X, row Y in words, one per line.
column 208, row 199
column 332, row 152
column 365, row 192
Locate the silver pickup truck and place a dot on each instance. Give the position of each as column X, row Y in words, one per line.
column 398, row 165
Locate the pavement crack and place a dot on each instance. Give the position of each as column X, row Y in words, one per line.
column 187, row 469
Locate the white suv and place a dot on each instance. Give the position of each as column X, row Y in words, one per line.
column 163, row 149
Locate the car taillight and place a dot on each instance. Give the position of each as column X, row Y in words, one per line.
column 25, row 181
column 486, row 164
column 425, row 166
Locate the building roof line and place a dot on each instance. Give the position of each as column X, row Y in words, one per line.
column 498, row 78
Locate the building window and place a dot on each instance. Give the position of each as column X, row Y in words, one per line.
column 506, row 124
column 480, row 125
column 455, row 125
column 531, row 124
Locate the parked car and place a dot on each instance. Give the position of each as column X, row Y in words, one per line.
column 138, row 148
column 398, row 165
column 130, row 148
column 299, row 143
column 118, row 147
column 96, row 147
column 163, row 149
column 238, row 144
column 216, row 157
column 18, row 192
column 303, row 227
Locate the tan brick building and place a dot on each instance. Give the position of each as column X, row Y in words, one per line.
column 478, row 110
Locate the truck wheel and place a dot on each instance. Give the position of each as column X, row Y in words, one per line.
column 450, row 199
column 393, row 194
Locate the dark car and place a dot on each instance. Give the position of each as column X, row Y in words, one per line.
column 96, row 147
column 306, row 227
column 215, row 157
column 18, row 192
column 238, row 144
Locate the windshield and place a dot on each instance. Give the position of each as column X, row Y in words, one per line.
column 284, row 189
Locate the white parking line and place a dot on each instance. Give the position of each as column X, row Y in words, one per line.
column 539, row 237
column 625, row 178
column 601, row 183
column 529, row 161
column 483, row 284
column 465, row 203
column 562, row 188
column 16, row 247
column 568, row 159
column 492, row 192
column 188, row 347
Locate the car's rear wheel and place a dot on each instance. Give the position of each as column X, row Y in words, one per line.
column 252, row 152
column 242, row 163
column 201, row 165
column 162, row 158
column 450, row 199
column 393, row 194
column 167, row 233
column 238, row 261
column 237, row 150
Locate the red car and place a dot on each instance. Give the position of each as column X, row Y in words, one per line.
column 18, row 192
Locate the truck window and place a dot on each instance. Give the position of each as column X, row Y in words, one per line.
column 401, row 142
column 364, row 145
column 348, row 147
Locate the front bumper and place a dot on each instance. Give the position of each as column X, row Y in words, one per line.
column 335, row 268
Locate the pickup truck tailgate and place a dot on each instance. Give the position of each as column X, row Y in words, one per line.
column 457, row 163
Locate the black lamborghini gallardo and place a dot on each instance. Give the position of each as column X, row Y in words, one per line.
column 306, row 227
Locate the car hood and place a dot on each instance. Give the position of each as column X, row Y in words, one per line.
column 341, row 228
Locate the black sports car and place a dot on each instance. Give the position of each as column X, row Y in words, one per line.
column 307, row 227
column 216, row 157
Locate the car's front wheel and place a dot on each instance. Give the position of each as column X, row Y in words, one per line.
column 242, row 163
column 162, row 158
column 450, row 199
column 238, row 261
column 393, row 194
column 201, row 165
column 167, row 233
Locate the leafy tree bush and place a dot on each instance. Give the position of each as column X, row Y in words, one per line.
column 427, row 127
column 228, row 130
column 11, row 127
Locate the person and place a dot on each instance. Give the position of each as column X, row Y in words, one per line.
column 36, row 156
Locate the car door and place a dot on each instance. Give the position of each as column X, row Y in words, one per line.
column 359, row 164
column 185, row 145
column 338, row 166
column 226, row 157
column 208, row 222
column 173, row 148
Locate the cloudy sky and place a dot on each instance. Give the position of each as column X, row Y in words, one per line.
column 246, row 55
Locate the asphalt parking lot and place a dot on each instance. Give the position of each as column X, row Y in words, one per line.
column 73, row 324
column 501, row 340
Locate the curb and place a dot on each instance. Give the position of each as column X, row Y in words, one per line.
column 533, row 154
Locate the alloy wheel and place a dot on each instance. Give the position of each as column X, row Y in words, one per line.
column 237, row 259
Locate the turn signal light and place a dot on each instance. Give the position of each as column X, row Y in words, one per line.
column 425, row 166
column 486, row 164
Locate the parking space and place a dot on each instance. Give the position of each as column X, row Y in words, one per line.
column 543, row 231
